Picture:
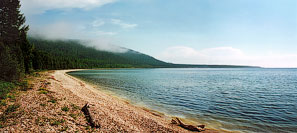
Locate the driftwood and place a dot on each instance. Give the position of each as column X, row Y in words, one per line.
column 89, row 117
column 199, row 128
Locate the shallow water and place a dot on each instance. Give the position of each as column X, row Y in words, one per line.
column 245, row 100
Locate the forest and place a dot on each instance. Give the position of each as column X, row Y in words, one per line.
column 69, row 54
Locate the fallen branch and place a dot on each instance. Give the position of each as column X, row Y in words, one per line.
column 89, row 117
column 199, row 128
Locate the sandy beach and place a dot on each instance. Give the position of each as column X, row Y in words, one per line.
column 112, row 113
column 43, row 112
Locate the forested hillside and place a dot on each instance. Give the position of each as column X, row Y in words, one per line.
column 69, row 54
column 72, row 54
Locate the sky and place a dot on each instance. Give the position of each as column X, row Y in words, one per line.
column 235, row 32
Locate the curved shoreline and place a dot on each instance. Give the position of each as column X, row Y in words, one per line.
column 117, row 107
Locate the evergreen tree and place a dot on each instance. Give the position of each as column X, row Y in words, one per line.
column 7, row 64
column 13, row 39
column 27, row 50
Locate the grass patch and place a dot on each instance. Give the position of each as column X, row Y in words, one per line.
column 41, row 121
column 43, row 92
column 42, row 89
column 5, row 88
column 75, row 107
column 24, row 85
column 3, row 102
column 57, row 122
column 52, row 101
column 43, row 104
column 35, row 74
column 12, row 108
column 74, row 116
column 88, row 127
column 10, row 96
column 64, row 129
column 65, row 108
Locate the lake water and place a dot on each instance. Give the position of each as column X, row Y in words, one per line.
column 245, row 100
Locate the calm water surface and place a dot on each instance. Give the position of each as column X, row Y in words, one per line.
column 245, row 100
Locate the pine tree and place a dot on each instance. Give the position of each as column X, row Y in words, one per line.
column 13, row 38
column 7, row 64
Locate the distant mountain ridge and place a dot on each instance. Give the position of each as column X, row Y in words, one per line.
column 65, row 54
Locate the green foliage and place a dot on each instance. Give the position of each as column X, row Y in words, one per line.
column 56, row 122
column 72, row 54
column 43, row 104
column 43, row 92
column 52, row 101
column 5, row 88
column 27, row 49
column 11, row 108
column 15, row 50
column 75, row 107
column 65, row 109
column 24, row 85
column 74, row 116
column 11, row 96
column 3, row 102
column 8, row 64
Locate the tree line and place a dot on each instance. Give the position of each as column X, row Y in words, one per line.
column 64, row 54
column 15, row 50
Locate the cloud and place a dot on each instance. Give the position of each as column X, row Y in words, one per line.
column 68, row 30
column 58, row 30
column 105, row 45
column 98, row 23
column 123, row 24
column 226, row 56
column 102, row 33
column 40, row 6
column 63, row 31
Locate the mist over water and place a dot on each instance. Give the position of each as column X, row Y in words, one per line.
column 245, row 100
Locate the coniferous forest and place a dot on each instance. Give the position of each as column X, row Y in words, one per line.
column 72, row 54
column 16, row 53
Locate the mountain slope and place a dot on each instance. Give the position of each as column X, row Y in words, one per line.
column 72, row 54
column 77, row 55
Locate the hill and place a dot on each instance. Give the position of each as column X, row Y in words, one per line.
column 68, row 54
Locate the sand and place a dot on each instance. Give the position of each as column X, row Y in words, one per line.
column 112, row 113
column 38, row 114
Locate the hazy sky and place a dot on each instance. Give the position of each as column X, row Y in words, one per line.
column 239, row 32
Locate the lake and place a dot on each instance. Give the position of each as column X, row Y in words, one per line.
column 239, row 99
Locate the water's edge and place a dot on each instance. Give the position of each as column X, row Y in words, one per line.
column 243, row 100
column 143, row 106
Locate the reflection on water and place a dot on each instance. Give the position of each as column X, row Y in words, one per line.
column 246, row 100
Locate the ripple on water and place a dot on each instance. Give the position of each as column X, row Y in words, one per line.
column 246, row 100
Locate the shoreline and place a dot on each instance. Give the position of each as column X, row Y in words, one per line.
column 126, row 105
column 54, row 100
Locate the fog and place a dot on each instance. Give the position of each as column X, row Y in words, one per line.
column 68, row 31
